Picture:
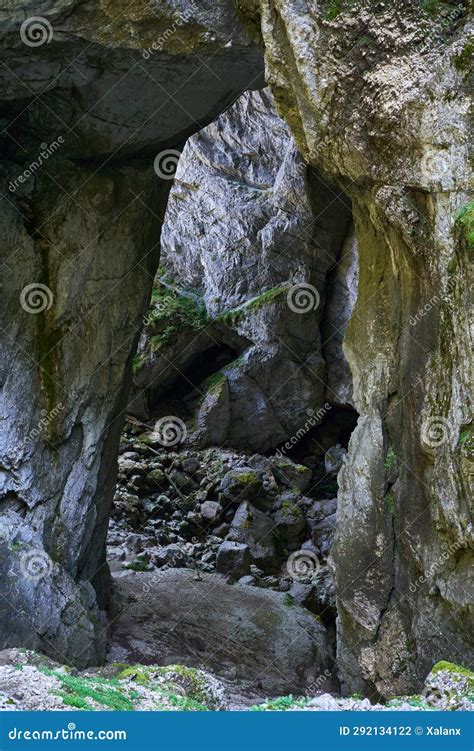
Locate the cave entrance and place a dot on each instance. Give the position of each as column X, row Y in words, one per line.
column 241, row 411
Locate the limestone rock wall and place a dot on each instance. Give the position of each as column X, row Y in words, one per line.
column 90, row 97
column 255, row 237
column 377, row 97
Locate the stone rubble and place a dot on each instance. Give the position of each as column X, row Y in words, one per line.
column 220, row 511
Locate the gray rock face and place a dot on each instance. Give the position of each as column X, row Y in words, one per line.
column 180, row 52
column 71, row 355
column 85, row 235
column 233, row 559
column 380, row 111
column 245, row 166
column 340, row 301
column 255, row 529
column 378, row 114
column 321, row 520
column 243, row 632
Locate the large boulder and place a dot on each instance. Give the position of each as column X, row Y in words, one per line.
column 257, row 530
column 242, row 632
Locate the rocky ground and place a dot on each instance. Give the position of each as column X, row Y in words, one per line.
column 29, row 681
column 260, row 521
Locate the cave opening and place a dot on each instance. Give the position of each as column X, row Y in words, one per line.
column 241, row 407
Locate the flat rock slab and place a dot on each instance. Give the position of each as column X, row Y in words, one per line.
column 242, row 633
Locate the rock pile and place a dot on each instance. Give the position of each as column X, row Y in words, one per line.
column 255, row 520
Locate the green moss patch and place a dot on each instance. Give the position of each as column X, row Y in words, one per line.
column 462, row 61
column 455, row 670
column 464, row 221
column 86, row 693
column 252, row 305
column 281, row 704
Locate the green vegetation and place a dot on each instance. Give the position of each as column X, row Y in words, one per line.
column 414, row 701
column 462, row 61
column 176, row 313
column 137, row 673
column 280, row 704
column 433, row 8
column 141, row 563
column 290, row 508
column 213, row 383
column 139, row 361
column 170, row 313
column 192, row 682
column 97, row 692
column 251, row 306
column 336, row 7
column 455, row 670
column 465, row 222
column 390, row 502
column 289, row 600
column 389, row 462
column 80, row 692
column 466, row 438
